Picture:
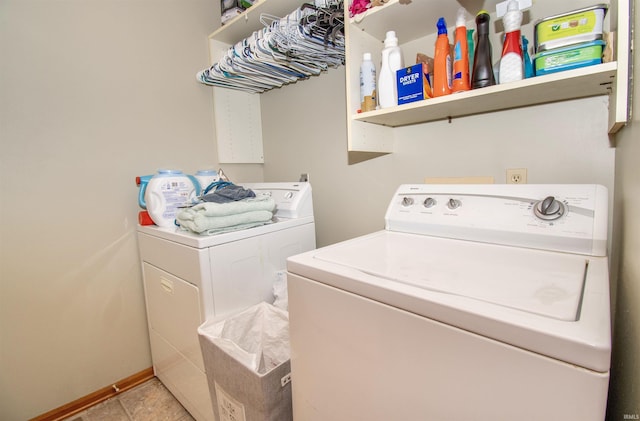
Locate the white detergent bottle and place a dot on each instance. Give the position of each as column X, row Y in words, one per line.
column 511, row 63
column 165, row 192
column 392, row 61
column 368, row 97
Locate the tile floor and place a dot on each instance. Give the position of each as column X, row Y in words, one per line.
column 150, row 401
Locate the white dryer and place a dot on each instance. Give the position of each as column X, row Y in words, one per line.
column 190, row 278
column 477, row 302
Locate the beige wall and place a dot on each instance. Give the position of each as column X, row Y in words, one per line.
column 92, row 93
column 559, row 143
column 625, row 376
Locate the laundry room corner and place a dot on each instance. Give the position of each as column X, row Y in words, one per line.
column 95, row 94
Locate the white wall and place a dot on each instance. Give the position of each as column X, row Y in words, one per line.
column 92, row 94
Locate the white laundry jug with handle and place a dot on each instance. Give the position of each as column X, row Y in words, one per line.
column 165, row 192
column 205, row 178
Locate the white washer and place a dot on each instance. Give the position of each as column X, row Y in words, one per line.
column 477, row 302
column 190, row 278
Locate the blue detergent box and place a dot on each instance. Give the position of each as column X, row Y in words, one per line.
column 411, row 84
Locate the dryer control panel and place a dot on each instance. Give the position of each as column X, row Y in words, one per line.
column 559, row 217
column 293, row 200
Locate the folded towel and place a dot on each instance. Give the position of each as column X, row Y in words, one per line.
column 200, row 223
column 213, row 218
column 215, row 231
column 262, row 202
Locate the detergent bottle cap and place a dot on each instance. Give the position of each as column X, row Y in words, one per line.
column 461, row 19
column 442, row 26
column 206, row 172
column 482, row 22
column 169, row 173
column 391, row 40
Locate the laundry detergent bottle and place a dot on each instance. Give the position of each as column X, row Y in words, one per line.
column 368, row 100
column 460, row 77
column 528, row 65
column 392, row 61
column 165, row 192
column 205, row 178
column 511, row 63
column 482, row 63
column 143, row 215
column 442, row 62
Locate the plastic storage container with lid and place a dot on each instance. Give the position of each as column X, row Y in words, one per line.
column 575, row 27
column 573, row 57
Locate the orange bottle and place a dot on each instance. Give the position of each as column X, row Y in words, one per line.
column 442, row 62
column 460, row 77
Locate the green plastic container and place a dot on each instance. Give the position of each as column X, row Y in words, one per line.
column 570, row 28
column 560, row 59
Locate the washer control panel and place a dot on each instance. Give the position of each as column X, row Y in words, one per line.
column 571, row 218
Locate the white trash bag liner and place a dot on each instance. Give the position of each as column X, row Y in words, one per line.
column 280, row 294
column 257, row 337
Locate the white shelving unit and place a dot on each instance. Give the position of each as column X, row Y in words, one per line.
column 578, row 83
column 371, row 134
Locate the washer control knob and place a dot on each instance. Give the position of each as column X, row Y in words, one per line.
column 429, row 202
column 288, row 195
column 549, row 209
column 453, row 204
column 407, row 201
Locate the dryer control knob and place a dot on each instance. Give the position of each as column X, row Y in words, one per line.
column 549, row 209
column 407, row 201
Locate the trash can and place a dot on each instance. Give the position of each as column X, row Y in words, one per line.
column 247, row 361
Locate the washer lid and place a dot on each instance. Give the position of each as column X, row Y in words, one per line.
column 554, row 304
column 543, row 283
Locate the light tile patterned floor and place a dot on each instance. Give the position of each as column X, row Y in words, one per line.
column 150, row 401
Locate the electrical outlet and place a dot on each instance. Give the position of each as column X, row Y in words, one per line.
column 516, row 176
